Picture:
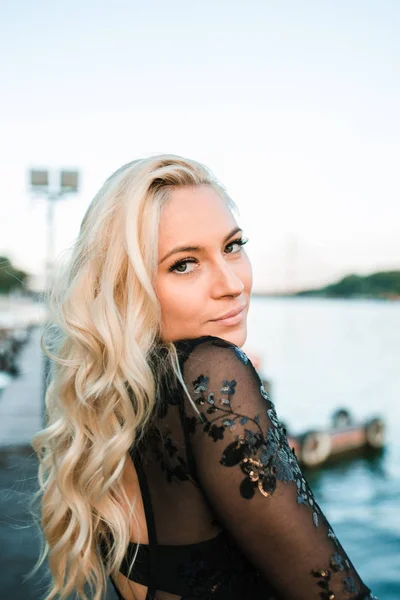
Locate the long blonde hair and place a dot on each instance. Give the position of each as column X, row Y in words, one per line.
column 104, row 341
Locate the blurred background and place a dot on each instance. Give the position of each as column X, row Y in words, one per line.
column 294, row 106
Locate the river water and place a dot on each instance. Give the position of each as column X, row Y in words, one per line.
column 323, row 354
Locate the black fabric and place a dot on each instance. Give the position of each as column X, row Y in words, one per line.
column 229, row 512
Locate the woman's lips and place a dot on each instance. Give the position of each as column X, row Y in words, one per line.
column 232, row 320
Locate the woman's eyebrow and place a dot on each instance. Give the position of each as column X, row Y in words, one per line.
column 197, row 248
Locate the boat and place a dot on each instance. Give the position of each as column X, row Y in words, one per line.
column 344, row 438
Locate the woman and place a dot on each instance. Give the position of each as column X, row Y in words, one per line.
column 164, row 465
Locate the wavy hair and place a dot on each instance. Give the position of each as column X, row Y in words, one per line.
column 105, row 346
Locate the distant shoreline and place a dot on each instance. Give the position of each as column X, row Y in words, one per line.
column 296, row 295
column 382, row 285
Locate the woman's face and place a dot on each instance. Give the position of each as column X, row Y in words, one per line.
column 203, row 271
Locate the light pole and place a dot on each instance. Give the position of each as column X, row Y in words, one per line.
column 55, row 188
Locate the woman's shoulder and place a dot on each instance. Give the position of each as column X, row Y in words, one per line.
column 209, row 347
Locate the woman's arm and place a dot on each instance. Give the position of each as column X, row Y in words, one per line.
column 253, row 480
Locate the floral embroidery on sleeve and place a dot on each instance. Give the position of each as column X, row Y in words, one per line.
column 264, row 459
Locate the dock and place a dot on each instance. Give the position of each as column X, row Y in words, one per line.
column 21, row 407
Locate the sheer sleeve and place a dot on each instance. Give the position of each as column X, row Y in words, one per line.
column 253, row 480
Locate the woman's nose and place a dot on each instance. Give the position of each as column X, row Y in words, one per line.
column 226, row 282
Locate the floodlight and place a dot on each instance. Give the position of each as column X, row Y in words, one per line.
column 39, row 179
column 69, row 181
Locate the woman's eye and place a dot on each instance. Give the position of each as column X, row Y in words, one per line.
column 180, row 267
column 240, row 242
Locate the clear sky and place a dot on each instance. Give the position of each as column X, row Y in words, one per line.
column 293, row 105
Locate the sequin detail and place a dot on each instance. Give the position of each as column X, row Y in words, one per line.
column 241, row 355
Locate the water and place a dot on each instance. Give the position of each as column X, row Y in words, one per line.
column 325, row 354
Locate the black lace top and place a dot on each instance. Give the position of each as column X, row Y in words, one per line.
column 230, row 515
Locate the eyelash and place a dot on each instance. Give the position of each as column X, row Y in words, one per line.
column 240, row 241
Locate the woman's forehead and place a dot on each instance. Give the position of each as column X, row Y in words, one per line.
column 192, row 214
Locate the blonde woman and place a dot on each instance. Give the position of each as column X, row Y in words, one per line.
column 164, row 466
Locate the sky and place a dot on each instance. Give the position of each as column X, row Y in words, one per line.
column 293, row 105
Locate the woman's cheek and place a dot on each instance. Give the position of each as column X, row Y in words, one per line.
column 247, row 274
